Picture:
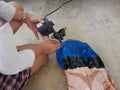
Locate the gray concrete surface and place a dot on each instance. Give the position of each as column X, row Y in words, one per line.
column 96, row 22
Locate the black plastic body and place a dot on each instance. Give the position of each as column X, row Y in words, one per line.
column 47, row 28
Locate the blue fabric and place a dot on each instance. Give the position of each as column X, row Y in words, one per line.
column 74, row 48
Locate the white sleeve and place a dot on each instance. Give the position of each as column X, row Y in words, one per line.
column 7, row 11
column 12, row 61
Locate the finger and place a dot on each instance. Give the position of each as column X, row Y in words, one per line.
column 37, row 20
column 36, row 35
column 41, row 36
column 46, row 37
column 34, row 29
column 57, row 46
column 41, row 21
column 34, row 20
column 55, row 41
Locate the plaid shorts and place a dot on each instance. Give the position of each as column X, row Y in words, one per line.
column 15, row 82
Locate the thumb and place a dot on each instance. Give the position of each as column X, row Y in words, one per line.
column 36, row 20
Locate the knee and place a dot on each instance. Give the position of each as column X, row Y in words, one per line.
column 16, row 5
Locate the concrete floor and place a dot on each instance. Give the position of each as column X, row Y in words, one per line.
column 96, row 22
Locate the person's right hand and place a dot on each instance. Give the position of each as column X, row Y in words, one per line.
column 31, row 21
column 49, row 46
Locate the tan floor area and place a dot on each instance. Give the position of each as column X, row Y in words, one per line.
column 96, row 22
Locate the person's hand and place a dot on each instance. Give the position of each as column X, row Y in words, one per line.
column 31, row 22
column 49, row 46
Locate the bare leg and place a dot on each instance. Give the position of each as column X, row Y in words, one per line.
column 15, row 25
column 17, row 20
column 39, row 62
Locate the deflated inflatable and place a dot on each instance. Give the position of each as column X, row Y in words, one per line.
column 83, row 67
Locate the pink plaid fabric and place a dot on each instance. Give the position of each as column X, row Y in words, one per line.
column 15, row 82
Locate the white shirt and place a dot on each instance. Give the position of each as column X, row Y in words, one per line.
column 6, row 11
column 11, row 61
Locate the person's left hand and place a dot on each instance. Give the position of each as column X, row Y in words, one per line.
column 31, row 22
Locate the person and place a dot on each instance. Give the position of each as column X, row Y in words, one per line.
column 18, row 63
